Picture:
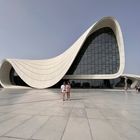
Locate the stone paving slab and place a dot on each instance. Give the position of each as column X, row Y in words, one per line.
column 77, row 129
column 102, row 130
column 27, row 129
column 10, row 124
column 29, row 114
column 53, row 129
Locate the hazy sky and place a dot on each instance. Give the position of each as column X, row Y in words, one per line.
column 39, row 29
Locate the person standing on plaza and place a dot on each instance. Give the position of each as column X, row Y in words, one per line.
column 125, row 83
column 63, row 90
column 68, row 90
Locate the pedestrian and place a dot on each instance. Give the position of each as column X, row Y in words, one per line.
column 125, row 83
column 68, row 90
column 63, row 90
column 137, row 87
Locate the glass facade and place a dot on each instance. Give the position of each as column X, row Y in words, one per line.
column 102, row 83
column 98, row 55
column 96, row 83
column 93, row 83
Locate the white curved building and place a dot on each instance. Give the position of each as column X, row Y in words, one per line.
column 97, row 54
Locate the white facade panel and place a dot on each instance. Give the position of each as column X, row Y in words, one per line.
column 46, row 73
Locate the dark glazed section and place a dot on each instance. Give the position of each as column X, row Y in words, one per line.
column 98, row 55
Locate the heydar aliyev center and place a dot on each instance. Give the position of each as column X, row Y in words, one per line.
column 97, row 57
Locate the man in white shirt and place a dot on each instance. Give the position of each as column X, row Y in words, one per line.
column 63, row 90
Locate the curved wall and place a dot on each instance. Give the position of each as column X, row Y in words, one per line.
column 46, row 73
column 4, row 73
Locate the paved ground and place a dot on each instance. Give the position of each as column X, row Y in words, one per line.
column 90, row 115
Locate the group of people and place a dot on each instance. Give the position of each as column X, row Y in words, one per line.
column 65, row 90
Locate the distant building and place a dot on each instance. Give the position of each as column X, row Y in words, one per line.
column 94, row 60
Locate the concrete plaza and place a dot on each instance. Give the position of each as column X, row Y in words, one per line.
column 29, row 114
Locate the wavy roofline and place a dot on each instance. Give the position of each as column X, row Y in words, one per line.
column 46, row 73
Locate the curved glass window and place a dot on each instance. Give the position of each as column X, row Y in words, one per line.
column 98, row 55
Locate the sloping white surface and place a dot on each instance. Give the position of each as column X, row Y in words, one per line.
column 46, row 73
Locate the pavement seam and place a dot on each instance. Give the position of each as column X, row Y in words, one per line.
column 17, row 126
column 13, row 137
column 88, row 124
column 7, row 119
column 66, row 123
column 40, row 127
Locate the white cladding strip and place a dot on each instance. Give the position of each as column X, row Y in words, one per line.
column 46, row 73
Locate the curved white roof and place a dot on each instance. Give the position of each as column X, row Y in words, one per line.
column 46, row 73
